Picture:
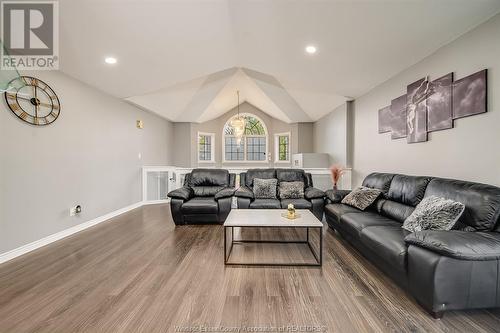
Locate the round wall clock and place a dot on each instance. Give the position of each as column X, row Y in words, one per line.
column 32, row 101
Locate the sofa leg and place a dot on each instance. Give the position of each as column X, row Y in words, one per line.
column 437, row 315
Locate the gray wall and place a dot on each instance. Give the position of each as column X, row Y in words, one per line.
column 470, row 150
column 305, row 137
column 89, row 156
column 186, row 139
column 332, row 135
column 182, row 145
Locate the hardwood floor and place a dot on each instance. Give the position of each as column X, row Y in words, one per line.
column 137, row 272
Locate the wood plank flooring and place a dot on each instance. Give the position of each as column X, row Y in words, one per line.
column 138, row 273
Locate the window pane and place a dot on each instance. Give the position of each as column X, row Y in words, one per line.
column 256, row 149
column 283, row 148
column 253, row 126
column 253, row 145
column 233, row 151
column 205, row 148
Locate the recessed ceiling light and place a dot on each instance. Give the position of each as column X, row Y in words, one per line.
column 110, row 60
column 311, row 49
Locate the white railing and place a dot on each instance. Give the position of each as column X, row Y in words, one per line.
column 157, row 181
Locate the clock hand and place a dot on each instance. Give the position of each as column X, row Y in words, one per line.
column 36, row 103
column 46, row 104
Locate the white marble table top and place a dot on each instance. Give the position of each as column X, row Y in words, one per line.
column 270, row 218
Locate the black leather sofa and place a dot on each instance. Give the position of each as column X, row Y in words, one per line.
column 206, row 197
column 443, row 270
column 313, row 197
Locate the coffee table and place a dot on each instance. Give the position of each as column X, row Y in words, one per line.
column 271, row 218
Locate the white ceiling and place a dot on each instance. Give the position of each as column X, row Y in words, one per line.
column 185, row 59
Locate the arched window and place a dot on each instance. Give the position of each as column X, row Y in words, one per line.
column 253, row 145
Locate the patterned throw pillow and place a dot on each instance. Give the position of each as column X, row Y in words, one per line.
column 264, row 188
column 434, row 213
column 291, row 190
column 362, row 197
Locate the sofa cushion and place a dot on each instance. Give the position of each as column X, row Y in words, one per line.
column 394, row 210
column 209, row 177
column 381, row 181
column 251, row 174
column 388, row 243
column 200, row 205
column 339, row 209
column 408, row 190
column 291, row 190
column 265, row 204
column 458, row 244
column 482, row 202
column 264, row 188
column 291, row 175
column 356, row 222
column 297, row 203
column 362, row 197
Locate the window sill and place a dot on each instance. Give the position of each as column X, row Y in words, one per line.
column 245, row 162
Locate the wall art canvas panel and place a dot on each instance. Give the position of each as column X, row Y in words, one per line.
column 469, row 95
column 439, row 104
column 416, row 111
column 384, row 120
column 398, row 117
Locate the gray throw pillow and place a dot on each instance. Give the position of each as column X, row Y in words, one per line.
column 264, row 188
column 362, row 197
column 434, row 213
column 291, row 190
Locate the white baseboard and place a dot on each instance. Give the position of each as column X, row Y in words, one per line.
column 64, row 233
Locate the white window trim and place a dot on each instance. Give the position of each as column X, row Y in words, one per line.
column 277, row 147
column 212, row 147
column 244, row 160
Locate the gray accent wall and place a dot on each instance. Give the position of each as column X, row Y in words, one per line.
column 470, row 150
column 333, row 135
column 89, row 156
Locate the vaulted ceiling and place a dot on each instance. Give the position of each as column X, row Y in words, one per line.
column 184, row 59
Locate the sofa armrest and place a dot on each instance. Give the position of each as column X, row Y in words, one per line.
column 183, row 193
column 313, row 193
column 336, row 196
column 244, row 192
column 226, row 192
column 457, row 244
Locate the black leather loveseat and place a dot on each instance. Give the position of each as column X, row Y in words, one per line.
column 206, row 197
column 313, row 197
column 442, row 270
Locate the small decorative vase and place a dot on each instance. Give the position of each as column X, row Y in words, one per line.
column 291, row 211
column 335, row 186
